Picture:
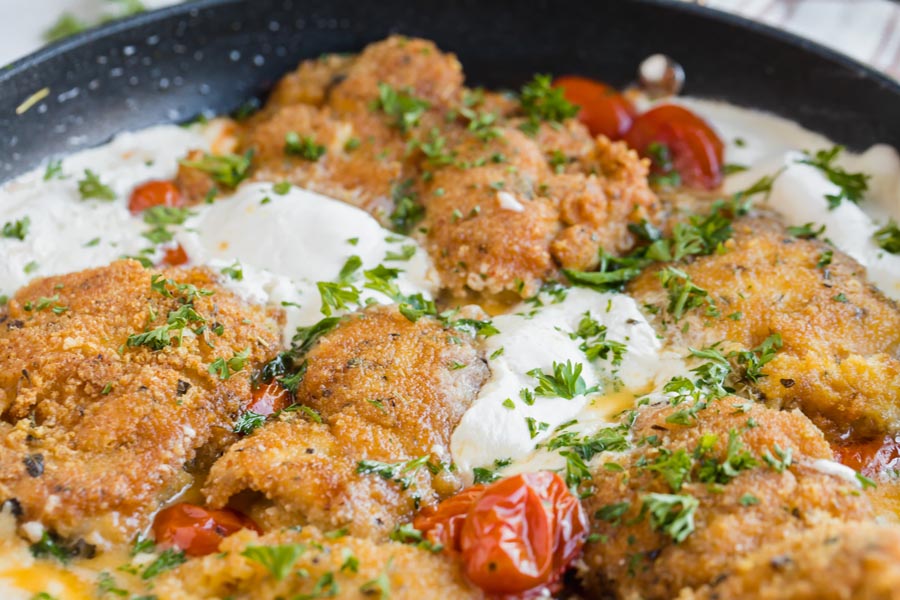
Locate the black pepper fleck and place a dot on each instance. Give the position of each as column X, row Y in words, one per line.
column 34, row 464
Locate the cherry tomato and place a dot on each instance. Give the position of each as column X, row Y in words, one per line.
column 154, row 193
column 269, row 398
column 604, row 110
column 174, row 257
column 197, row 530
column 443, row 525
column 519, row 534
column 871, row 457
column 694, row 147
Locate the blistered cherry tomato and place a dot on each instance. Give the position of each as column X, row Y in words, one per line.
column 174, row 257
column 269, row 398
column 197, row 530
column 603, row 109
column 154, row 193
column 694, row 147
column 443, row 525
column 871, row 457
column 519, row 535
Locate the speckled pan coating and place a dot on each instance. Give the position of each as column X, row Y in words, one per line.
column 210, row 56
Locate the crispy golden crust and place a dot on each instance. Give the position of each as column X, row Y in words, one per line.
column 95, row 433
column 841, row 336
column 401, row 571
column 633, row 560
column 567, row 195
column 387, row 390
column 834, row 561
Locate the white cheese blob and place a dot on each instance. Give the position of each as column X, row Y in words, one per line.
column 536, row 338
column 286, row 243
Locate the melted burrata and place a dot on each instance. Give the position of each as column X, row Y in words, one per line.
column 771, row 146
column 510, row 419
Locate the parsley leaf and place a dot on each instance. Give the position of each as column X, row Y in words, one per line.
column 16, row 229
column 540, row 101
column 852, row 185
column 226, row 169
column 305, row 147
column 278, row 560
column 672, row 514
column 92, row 187
column 887, row 238
column 401, row 105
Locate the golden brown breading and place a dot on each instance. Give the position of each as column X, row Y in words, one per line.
column 412, row 65
column 634, row 560
column 834, row 561
column 387, row 390
column 841, row 336
column 96, row 434
column 451, row 161
column 363, row 158
column 347, row 567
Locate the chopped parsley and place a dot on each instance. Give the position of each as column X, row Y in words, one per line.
column 235, row 271
column 540, row 101
column 303, row 146
column 684, row 294
column 226, row 169
column 407, row 209
column 407, row 251
column 807, row 231
column 336, row 296
column 852, row 185
column 781, row 460
column 248, row 422
column 404, row 108
column 594, row 344
column 565, row 381
column 53, row 170
column 91, row 187
column 395, row 471
column 670, row 513
column 225, row 368
column 168, row 559
column 278, row 560
column 754, row 360
column 16, row 229
column 887, row 238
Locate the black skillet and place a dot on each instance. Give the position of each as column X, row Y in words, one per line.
column 210, row 56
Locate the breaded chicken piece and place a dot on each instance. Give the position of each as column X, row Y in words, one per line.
column 389, row 392
column 97, row 432
column 501, row 219
column 316, row 567
column 839, row 362
column 834, row 561
column 740, row 507
column 565, row 194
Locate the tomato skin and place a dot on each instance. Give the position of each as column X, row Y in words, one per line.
column 443, row 525
column 603, row 109
column 154, row 193
column 174, row 257
column 697, row 151
column 197, row 530
column 871, row 457
column 518, row 536
column 269, row 398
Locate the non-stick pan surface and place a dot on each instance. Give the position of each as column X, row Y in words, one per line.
column 210, row 56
